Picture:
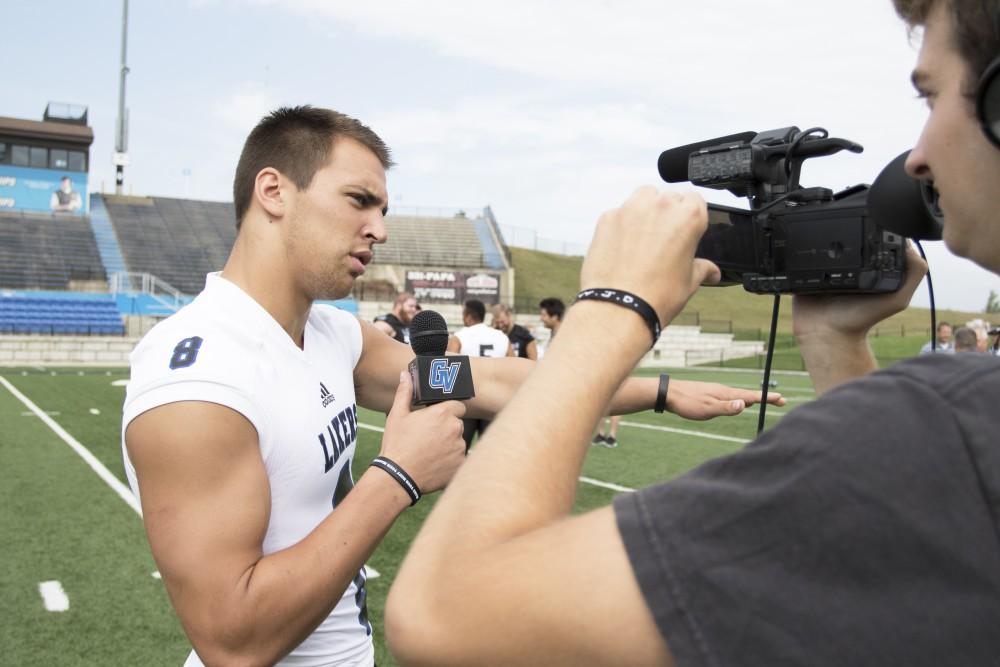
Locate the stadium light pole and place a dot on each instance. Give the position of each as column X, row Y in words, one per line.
column 121, row 125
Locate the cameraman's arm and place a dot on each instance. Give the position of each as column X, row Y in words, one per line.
column 832, row 331
column 562, row 584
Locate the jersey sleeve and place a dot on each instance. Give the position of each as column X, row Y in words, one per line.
column 194, row 363
column 855, row 532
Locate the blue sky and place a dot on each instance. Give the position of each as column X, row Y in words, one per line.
column 550, row 112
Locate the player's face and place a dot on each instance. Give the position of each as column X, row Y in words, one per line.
column 408, row 310
column 952, row 149
column 501, row 321
column 944, row 334
column 547, row 319
column 335, row 222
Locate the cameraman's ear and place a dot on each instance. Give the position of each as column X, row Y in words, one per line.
column 705, row 272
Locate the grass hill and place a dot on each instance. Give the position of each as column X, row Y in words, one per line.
column 541, row 274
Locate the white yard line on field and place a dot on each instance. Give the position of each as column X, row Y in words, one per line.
column 123, row 491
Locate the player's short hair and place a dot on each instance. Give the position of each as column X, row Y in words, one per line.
column 475, row 309
column 297, row 141
column 502, row 308
column 941, row 325
column 975, row 22
column 553, row 306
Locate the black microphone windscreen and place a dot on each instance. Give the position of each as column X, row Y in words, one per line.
column 905, row 205
column 673, row 163
column 428, row 334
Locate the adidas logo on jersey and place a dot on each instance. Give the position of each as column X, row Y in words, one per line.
column 325, row 395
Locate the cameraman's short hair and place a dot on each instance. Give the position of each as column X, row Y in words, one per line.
column 476, row 309
column 965, row 339
column 975, row 22
column 297, row 142
column 553, row 306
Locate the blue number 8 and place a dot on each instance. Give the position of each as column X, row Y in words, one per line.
column 186, row 353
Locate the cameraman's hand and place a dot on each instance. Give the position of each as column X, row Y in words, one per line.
column 426, row 443
column 647, row 247
column 832, row 330
column 822, row 316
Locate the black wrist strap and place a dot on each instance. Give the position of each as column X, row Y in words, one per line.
column 400, row 476
column 661, row 393
column 626, row 300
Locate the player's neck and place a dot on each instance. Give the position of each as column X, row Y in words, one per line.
column 263, row 273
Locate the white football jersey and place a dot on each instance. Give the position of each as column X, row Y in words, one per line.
column 480, row 340
column 225, row 348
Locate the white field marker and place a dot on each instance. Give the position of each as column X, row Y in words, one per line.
column 156, row 575
column 53, row 596
column 95, row 411
column 371, row 572
column 120, row 383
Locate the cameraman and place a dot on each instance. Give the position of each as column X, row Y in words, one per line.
column 861, row 530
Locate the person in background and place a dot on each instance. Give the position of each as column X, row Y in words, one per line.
column 966, row 340
column 477, row 340
column 397, row 323
column 944, row 342
column 521, row 341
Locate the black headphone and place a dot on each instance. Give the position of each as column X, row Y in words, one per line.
column 988, row 97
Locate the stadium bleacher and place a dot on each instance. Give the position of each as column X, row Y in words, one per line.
column 46, row 251
column 177, row 240
column 433, row 241
column 62, row 315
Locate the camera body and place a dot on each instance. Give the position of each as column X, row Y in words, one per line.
column 793, row 240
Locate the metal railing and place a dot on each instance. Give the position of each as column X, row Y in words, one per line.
column 147, row 283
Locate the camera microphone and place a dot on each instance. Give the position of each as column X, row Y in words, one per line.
column 673, row 163
column 436, row 376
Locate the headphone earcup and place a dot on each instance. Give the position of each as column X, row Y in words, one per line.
column 988, row 102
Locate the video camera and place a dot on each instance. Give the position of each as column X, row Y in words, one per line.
column 797, row 240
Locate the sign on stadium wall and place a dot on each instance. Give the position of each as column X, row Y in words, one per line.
column 453, row 286
column 43, row 190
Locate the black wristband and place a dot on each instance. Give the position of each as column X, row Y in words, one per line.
column 661, row 394
column 400, row 476
column 626, row 300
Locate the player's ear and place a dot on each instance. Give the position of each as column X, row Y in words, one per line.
column 269, row 190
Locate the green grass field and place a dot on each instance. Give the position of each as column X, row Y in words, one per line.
column 64, row 523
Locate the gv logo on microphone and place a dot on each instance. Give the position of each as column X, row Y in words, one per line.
column 443, row 375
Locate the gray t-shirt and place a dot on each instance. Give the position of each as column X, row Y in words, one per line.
column 861, row 530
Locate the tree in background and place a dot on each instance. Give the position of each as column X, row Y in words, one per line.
column 993, row 303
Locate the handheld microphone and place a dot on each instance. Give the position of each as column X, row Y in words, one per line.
column 436, row 376
column 673, row 163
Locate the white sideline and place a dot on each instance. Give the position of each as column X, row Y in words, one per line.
column 123, row 491
column 681, row 431
column 53, row 596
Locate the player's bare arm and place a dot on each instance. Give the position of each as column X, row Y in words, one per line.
column 206, row 502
